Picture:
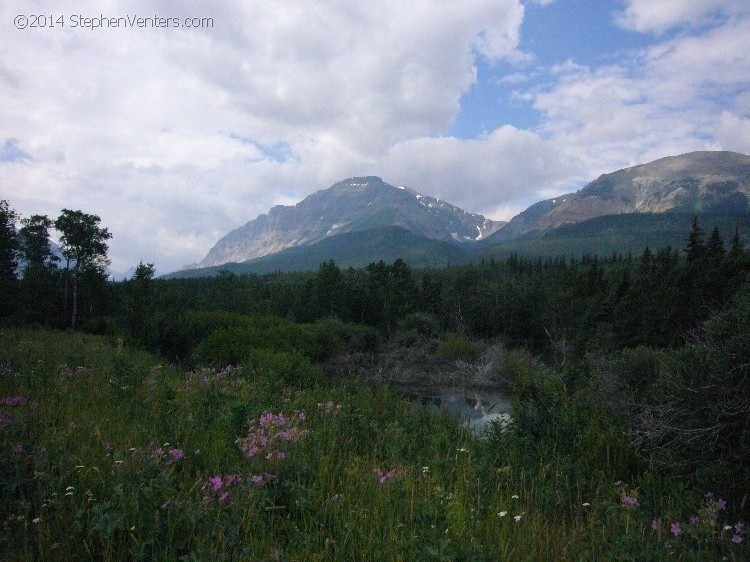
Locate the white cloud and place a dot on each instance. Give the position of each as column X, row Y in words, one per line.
column 656, row 17
column 669, row 98
column 479, row 175
column 169, row 134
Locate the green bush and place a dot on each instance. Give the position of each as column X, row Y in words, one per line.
column 460, row 348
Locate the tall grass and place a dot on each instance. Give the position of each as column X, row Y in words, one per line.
column 109, row 454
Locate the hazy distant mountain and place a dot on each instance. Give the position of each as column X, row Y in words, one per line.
column 352, row 205
column 698, row 182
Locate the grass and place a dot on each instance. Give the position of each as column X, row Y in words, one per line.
column 109, row 454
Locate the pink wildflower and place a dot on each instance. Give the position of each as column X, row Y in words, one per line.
column 232, row 479
column 736, row 538
column 675, row 529
column 694, row 520
column 224, row 497
column 721, row 504
column 215, row 482
column 176, row 454
column 739, row 526
column 655, row 524
column 384, row 476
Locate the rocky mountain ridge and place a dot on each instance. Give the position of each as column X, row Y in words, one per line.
column 696, row 182
column 351, row 205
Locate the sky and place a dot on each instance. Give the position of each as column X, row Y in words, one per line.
column 176, row 122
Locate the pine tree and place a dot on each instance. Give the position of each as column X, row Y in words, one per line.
column 715, row 246
column 696, row 249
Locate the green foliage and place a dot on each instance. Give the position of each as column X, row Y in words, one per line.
column 460, row 348
column 8, row 257
column 109, row 453
column 35, row 246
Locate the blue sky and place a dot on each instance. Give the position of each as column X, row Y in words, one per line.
column 174, row 136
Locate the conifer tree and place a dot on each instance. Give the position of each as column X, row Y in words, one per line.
column 695, row 246
column 715, row 246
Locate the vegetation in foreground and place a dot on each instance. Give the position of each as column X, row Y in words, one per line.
column 630, row 442
column 110, row 454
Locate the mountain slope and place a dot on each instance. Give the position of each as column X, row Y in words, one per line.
column 697, row 182
column 619, row 234
column 352, row 205
column 350, row 249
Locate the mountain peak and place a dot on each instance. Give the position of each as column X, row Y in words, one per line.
column 350, row 205
column 696, row 182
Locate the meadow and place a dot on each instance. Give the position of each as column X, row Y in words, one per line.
column 108, row 452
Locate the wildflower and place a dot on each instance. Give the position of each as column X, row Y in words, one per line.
column 736, row 538
column 17, row 449
column 586, row 504
column 176, row 454
column 215, row 482
column 232, row 479
column 675, row 529
column 629, row 501
column 619, row 484
column 518, row 517
column 739, row 526
column 256, row 479
column 655, row 525
column 425, row 470
column 721, row 504
column 694, row 520
column 36, row 520
column 463, row 450
column 727, row 527
column 384, row 477
column 224, row 497
column 514, row 496
column 502, row 514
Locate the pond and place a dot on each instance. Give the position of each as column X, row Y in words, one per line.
column 476, row 408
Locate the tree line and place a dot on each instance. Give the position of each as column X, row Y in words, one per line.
column 30, row 275
column 571, row 305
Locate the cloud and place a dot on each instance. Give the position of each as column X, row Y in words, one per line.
column 174, row 136
column 480, row 175
column 656, row 17
column 669, row 98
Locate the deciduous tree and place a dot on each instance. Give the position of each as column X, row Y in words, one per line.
column 84, row 247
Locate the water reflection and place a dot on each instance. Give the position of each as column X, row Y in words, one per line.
column 476, row 409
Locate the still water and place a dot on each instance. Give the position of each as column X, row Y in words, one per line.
column 477, row 409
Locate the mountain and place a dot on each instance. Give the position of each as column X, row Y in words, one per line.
column 697, row 182
column 352, row 205
column 618, row 234
column 350, row 249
